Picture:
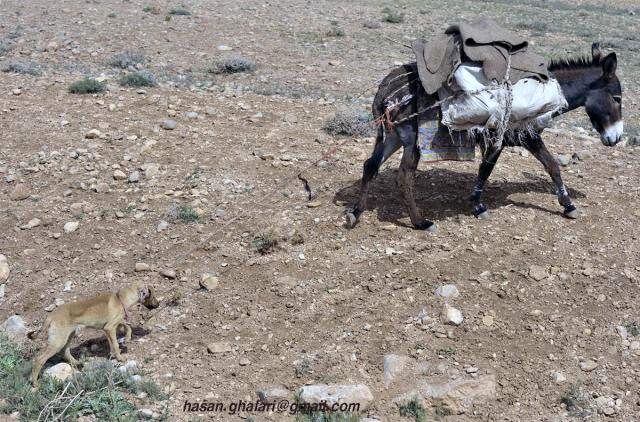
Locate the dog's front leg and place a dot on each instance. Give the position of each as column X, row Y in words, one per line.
column 110, row 331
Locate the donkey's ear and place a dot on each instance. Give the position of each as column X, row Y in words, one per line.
column 596, row 53
column 609, row 66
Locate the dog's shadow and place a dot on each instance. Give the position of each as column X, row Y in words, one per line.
column 442, row 193
column 98, row 345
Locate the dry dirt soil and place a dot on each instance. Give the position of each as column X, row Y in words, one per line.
column 541, row 295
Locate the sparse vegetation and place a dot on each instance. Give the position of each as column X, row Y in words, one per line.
column 349, row 122
column 265, row 242
column 5, row 47
column 296, row 238
column 138, row 79
column 328, row 417
column 303, row 367
column 536, row 26
column 575, row 402
column 24, row 68
column 187, row 214
column 392, row 15
column 413, row 409
column 127, row 59
column 633, row 328
column 234, row 64
column 100, row 390
column 179, row 11
column 335, row 30
column 154, row 10
column 87, row 86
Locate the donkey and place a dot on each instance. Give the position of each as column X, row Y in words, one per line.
column 586, row 82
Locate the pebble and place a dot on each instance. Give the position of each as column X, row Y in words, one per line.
column 134, row 177
column 119, row 175
column 142, row 267
column 191, row 115
column 208, row 281
column 564, row 159
column 244, row 361
column 34, row 222
column 168, row 124
column 487, row 320
column 168, row 273
column 146, row 413
column 588, row 365
column 162, row 225
column 447, row 291
column 471, row 370
column 224, row 48
column 67, row 286
column 273, row 394
column 4, row 268
column 71, row 226
column 559, row 377
column 451, row 315
column 538, row 273
column 19, row 192
column 219, row 347
column 93, row 134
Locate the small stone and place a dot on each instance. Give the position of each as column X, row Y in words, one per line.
column 538, row 273
column 34, row 222
column 168, row 273
column 61, row 372
column 622, row 331
column 451, row 315
column 162, row 225
column 168, row 124
column 244, row 361
column 487, row 320
column 142, row 267
column 191, row 115
column 559, row 377
column 4, row 269
column 224, row 48
column 313, row 204
column 588, row 365
column 471, row 370
column 134, row 177
column 19, row 192
column 102, row 187
column 273, row 394
column 16, row 91
column 219, row 347
column 119, row 175
column 93, row 134
column 146, row 413
column 564, row 159
column 447, row 291
column 71, row 226
column 67, row 286
column 208, row 281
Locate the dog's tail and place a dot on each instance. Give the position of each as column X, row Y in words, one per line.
column 33, row 335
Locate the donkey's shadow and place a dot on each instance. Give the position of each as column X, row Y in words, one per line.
column 442, row 193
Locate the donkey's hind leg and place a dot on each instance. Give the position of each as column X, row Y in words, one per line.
column 385, row 146
column 537, row 147
column 406, row 175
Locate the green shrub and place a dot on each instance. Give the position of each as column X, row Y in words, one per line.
column 138, row 79
column 265, row 243
column 126, row 59
column 99, row 390
column 86, row 86
column 187, row 214
column 413, row 409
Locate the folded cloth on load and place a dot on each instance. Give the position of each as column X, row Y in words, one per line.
column 482, row 41
column 474, row 101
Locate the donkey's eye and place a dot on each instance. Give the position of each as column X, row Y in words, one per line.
column 617, row 98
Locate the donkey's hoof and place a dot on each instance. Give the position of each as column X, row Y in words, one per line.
column 350, row 220
column 571, row 212
column 481, row 211
column 426, row 225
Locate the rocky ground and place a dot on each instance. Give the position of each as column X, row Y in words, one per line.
column 192, row 187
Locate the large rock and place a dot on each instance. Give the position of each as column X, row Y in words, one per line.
column 62, row 371
column 15, row 327
column 4, row 269
column 336, row 393
column 458, row 396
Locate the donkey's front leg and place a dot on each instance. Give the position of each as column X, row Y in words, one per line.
column 490, row 156
column 537, row 147
column 406, row 174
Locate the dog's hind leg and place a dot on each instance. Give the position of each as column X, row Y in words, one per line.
column 67, row 351
column 385, row 146
column 56, row 341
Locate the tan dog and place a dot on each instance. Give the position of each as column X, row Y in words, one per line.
column 104, row 312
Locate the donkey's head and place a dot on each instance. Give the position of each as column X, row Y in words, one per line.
column 604, row 99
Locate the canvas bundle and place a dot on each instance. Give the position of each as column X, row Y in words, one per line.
column 474, row 102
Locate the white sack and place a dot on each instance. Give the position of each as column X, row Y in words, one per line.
column 531, row 99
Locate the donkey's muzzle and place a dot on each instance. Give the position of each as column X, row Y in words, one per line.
column 612, row 134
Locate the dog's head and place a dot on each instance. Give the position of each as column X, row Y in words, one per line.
column 147, row 297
